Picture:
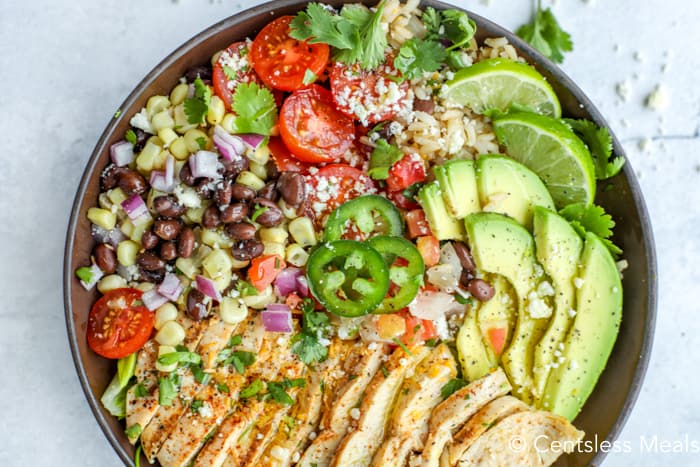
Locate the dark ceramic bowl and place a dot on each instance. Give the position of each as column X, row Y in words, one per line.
column 608, row 407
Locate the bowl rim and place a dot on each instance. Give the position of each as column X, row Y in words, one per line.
column 266, row 8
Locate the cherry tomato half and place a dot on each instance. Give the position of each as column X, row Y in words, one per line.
column 282, row 62
column 311, row 127
column 232, row 68
column 404, row 173
column 117, row 326
column 333, row 185
column 368, row 96
column 284, row 160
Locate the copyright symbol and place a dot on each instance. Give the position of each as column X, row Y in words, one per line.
column 516, row 444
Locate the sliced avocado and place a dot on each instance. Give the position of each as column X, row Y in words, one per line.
column 558, row 251
column 442, row 224
column 592, row 336
column 499, row 312
column 457, row 181
column 508, row 187
column 500, row 245
column 475, row 359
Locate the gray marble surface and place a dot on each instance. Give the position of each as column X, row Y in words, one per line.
column 65, row 67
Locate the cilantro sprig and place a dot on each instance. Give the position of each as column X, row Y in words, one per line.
column 306, row 345
column 592, row 219
column 277, row 390
column 355, row 34
column 196, row 107
column 546, row 35
column 599, row 143
column 452, row 386
column 383, row 156
column 255, row 109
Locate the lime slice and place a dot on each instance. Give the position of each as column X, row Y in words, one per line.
column 499, row 83
column 551, row 150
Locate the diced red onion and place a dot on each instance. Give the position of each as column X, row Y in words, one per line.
column 286, row 281
column 170, row 169
column 115, row 237
column 252, row 140
column 135, row 208
column 205, row 164
column 171, row 287
column 303, row 286
column 122, row 153
column 159, row 181
column 96, row 275
column 277, row 318
column 230, row 146
column 153, row 300
column 208, row 288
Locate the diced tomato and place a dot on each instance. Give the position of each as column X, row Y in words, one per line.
column 401, row 201
column 284, row 160
column 293, row 301
column 333, row 185
column 497, row 338
column 404, row 173
column 264, row 269
column 429, row 248
column 417, row 224
column 390, row 326
column 231, row 69
column 417, row 330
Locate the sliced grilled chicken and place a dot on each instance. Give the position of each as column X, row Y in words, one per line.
column 166, row 418
column 454, row 411
column 358, row 370
column 536, row 432
column 419, row 394
column 360, row 444
column 485, row 418
column 292, row 438
column 140, row 410
column 217, row 337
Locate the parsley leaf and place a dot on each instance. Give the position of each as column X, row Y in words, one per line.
column 167, row 389
column 196, row 107
column 592, row 219
column 306, row 344
column 130, row 136
column 251, row 390
column 255, row 109
column 383, row 156
column 452, row 386
column 546, row 35
column 599, row 142
column 418, row 56
column 355, row 33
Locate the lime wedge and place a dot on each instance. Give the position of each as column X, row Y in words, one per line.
column 499, row 83
column 551, row 150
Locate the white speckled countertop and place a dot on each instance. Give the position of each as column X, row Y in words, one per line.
column 67, row 65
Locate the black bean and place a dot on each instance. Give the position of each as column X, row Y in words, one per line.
column 110, row 177
column 205, row 188
column 141, row 139
column 105, row 258
column 465, row 256
column 132, row 183
column 149, row 240
column 210, row 218
column 241, row 192
column 481, row 290
column 201, row 72
column 465, row 277
column 155, row 277
column 247, row 250
column 269, row 191
column 222, row 196
column 234, row 213
column 168, row 251
column 197, row 307
column 291, row 186
column 424, row 105
column 240, row 231
column 148, row 261
column 167, row 229
column 185, row 242
column 272, row 214
column 186, row 176
column 168, row 206
column 271, row 169
column 234, row 167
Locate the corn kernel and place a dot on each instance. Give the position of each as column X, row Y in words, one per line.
column 156, row 104
column 250, row 180
column 228, row 123
column 296, row 255
column 216, row 264
column 182, row 125
column 164, row 314
column 302, row 231
column 194, row 215
column 126, row 252
column 145, row 286
column 178, row 148
column 289, row 212
column 167, row 135
column 232, row 310
column 258, row 169
column 111, row 282
column 127, row 227
column 104, row 202
column 238, row 264
column 171, row 334
column 216, row 239
column 273, row 234
column 187, row 266
column 139, row 229
column 161, row 120
column 193, row 138
column 155, row 140
column 116, row 196
column 179, row 94
column 102, row 217
column 223, row 281
column 271, row 248
column 261, row 155
column 261, row 300
column 146, row 159
column 216, row 111
column 164, row 350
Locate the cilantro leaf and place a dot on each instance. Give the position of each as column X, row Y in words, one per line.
column 134, row 431
column 452, row 386
column 140, row 391
column 459, row 28
column 242, row 360
column 417, row 56
column 306, row 345
column 230, row 73
column 255, row 109
column 431, row 20
column 592, row 219
column 196, row 107
column 251, row 390
column 200, row 375
column 546, row 35
column 196, row 405
column 167, row 389
column 279, row 394
column 130, row 136
column 179, row 357
column 383, row 156
column 599, row 142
